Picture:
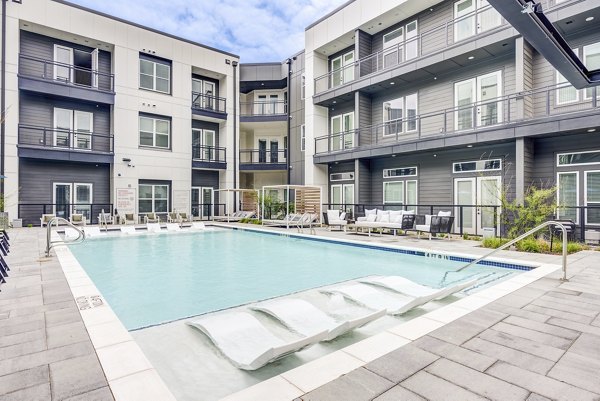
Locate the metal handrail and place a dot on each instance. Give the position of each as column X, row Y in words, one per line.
column 519, row 238
column 50, row 244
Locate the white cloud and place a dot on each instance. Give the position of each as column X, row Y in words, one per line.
column 257, row 30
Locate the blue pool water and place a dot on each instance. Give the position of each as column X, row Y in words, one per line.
column 151, row 279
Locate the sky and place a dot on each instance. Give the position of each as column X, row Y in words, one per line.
column 256, row 30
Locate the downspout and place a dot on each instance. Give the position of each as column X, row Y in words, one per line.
column 289, row 119
column 235, row 106
column 3, row 102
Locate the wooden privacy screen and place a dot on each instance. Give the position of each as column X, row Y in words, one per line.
column 308, row 200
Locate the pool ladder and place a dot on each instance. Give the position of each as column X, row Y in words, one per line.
column 519, row 238
column 51, row 244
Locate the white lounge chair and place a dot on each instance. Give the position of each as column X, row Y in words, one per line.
column 366, row 295
column 405, row 286
column 304, row 318
column 77, row 219
column 173, row 227
column 198, row 225
column 335, row 219
column 71, row 233
column 128, row 230
column 45, row 219
column 153, row 227
column 92, row 232
column 246, row 342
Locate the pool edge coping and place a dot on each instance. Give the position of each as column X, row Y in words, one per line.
column 295, row 382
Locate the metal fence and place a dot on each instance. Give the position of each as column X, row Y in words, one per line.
column 209, row 154
column 266, row 108
column 65, row 139
column 31, row 213
column 202, row 101
column 260, row 156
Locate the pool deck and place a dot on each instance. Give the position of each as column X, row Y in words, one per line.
column 539, row 342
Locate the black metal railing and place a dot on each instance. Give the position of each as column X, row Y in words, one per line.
column 472, row 219
column 31, row 213
column 209, row 154
column 203, row 101
column 266, row 108
column 68, row 74
column 206, row 211
column 61, row 139
column 259, row 156
column 508, row 109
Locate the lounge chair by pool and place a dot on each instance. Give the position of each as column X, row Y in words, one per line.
column 128, row 230
column 304, row 318
column 92, row 232
column 246, row 342
column 173, row 227
column 153, row 227
column 198, row 225
column 405, row 286
column 366, row 295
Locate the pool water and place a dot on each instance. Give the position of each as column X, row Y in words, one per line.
column 152, row 279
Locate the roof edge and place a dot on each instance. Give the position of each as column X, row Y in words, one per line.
column 329, row 14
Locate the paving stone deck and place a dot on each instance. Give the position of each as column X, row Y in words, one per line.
column 45, row 351
column 541, row 342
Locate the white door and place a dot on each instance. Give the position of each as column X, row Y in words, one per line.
column 84, row 126
column 464, row 97
column 337, row 73
column 488, row 194
column 63, row 127
column 489, row 87
column 412, row 44
column 393, row 52
column 82, row 200
column 209, row 95
column 349, row 67
column 342, row 194
column 465, row 19
column 488, row 18
column 63, row 59
column 206, row 198
column 196, row 202
column 465, row 193
column 342, row 130
column 208, row 141
column 61, row 199
column 261, row 105
column 95, row 68
column 477, row 191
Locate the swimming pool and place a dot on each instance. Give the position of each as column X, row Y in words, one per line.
column 152, row 279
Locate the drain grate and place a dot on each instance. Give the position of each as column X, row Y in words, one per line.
column 89, row 302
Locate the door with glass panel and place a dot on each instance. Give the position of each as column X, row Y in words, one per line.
column 592, row 197
column 204, row 142
column 273, row 105
column 342, row 131
column 342, row 69
column 488, row 195
column 274, row 150
column 478, row 196
column 342, row 197
column 63, row 126
column 261, row 106
column 476, row 101
column 202, row 202
column 82, row 202
column 262, row 150
column 465, row 193
column 84, row 126
column 62, row 193
column 568, row 196
column 472, row 17
column 63, row 63
column 393, row 51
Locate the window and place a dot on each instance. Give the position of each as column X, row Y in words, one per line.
column 303, row 87
column 591, row 59
column 473, row 17
column 203, row 145
column 568, row 195
column 400, row 115
column 566, row 94
column 204, row 95
column 342, row 131
column 341, row 177
column 73, row 128
column 592, row 196
column 579, row 158
column 76, row 66
column 302, row 138
column 153, row 198
column 474, row 99
column 402, row 192
column 400, row 44
column 478, row 165
column 155, row 132
column 400, row 172
column 342, row 69
column 342, row 194
column 155, row 76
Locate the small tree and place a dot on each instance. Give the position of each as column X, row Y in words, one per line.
column 538, row 206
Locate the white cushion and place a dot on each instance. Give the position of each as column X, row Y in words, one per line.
column 409, row 212
column 371, row 218
column 428, row 219
column 370, row 211
column 333, row 215
column 383, row 216
column 362, row 218
column 422, row 227
column 445, row 214
column 394, row 214
column 343, row 216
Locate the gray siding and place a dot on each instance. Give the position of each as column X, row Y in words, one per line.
column 435, row 176
column 39, row 111
column 40, row 46
column 36, row 179
column 205, row 178
column 365, row 113
column 364, row 181
column 364, row 49
column 199, row 124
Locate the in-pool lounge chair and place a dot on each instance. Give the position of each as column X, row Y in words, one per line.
column 246, row 342
column 153, row 227
column 92, row 232
column 405, row 286
column 173, row 227
column 304, row 318
column 45, row 219
column 370, row 297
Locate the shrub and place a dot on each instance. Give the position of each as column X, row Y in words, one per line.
column 493, row 242
column 538, row 207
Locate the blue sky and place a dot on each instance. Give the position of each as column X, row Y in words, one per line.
column 257, row 30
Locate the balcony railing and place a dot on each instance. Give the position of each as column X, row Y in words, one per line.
column 35, row 67
column 267, row 108
column 201, row 101
column 60, row 139
column 259, row 156
column 518, row 107
column 211, row 154
column 31, row 212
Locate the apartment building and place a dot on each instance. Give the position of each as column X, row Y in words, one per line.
column 107, row 114
column 443, row 104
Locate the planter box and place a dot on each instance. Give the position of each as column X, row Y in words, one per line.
column 17, row 223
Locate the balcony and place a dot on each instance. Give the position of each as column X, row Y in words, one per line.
column 550, row 110
column 262, row 159
column 209, row 157
column 214, row 108
column 53, row 78
column 263, row 111
column 58, row 144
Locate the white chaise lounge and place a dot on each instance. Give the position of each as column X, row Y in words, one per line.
column 405, row 286
column 246, row 342
column 370, row 297
column 153, row 227
column 306, row 319
column 92, row 231
column 173, row 227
